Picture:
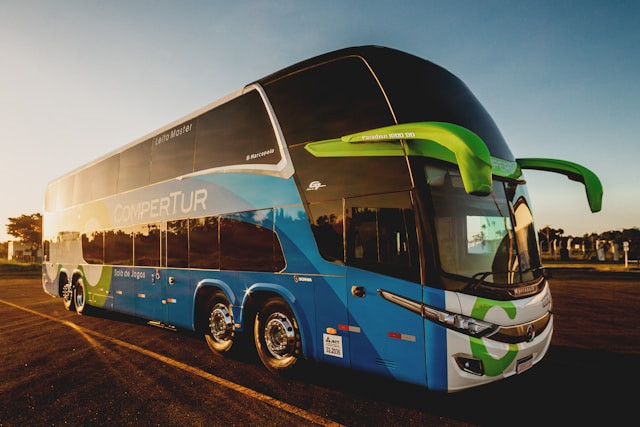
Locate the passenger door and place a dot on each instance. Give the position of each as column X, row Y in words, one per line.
column 176, row 280
column 386, row 337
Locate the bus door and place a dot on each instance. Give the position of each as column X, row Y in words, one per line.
column 178, row 298
column 149, row 293
column 386, row 338
column 146, row 275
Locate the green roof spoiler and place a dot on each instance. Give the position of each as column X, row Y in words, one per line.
column 444, row 141
column 573, row 171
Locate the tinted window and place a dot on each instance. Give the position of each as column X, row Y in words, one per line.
column 203, row 240
column 135, row 163
column 93, row 247
column 421, row 91
column 147, row 245
column 327, row 226
column 328, row 101
column 327, row 178
column 235, row 133
column 60, row 194
column 118, row 247
column 177, row 242
column 172, row 152
column 97, row 181
column 249, row 247
column 381, row 235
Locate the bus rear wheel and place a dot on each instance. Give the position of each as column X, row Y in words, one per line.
column 220, row 332
column 277, row 336
column 79, row 297
column 66, row 290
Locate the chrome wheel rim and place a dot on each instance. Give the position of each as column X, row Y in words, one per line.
column 79, row 296
column 279, row 335
column 220, row 322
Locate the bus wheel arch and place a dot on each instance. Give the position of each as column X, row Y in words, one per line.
column 276, row 334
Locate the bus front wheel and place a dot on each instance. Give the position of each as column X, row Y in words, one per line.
column 220, row 330
column 277, row 336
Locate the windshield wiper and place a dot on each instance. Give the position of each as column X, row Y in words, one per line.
column 479, row 278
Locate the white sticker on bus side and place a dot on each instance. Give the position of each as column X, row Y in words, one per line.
column 332, row 345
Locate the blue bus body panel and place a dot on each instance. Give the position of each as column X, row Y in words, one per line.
column 435, row 343
column 385, row 338
column 123, row 289
column 149, row 294
column 179, row 293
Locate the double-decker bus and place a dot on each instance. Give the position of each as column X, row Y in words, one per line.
column 359, row 208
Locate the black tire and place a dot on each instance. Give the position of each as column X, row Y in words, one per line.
column 219, row 328
column 80, row 297
column 66, row 290
column 277, row 336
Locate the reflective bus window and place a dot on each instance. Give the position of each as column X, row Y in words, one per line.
column 172, row 152
column 327, row 223
column 93, row 247
column 204, row 251
column 328, row 101
column 249, row 247
column 421, row 91
column 146, row 245
column 381, row 235
column 96, row 181
column 235, row 133
column 330, row 178
column 135, row 163
column 177, row 244
column 118, row 246
column 61, row 193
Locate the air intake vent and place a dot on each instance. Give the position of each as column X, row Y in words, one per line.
column 390, row 364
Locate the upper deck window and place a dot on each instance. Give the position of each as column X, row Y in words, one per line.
column 135, row 163
column 172, row 152
column 328, row 101
column 420, row 91
column 235, row 133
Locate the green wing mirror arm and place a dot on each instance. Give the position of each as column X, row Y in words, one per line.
column 573, row 171
column 452, row 143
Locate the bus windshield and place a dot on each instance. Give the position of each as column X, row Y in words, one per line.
column 486, row 239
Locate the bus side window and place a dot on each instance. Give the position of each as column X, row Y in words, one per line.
column 329, row 100
column 172, row 153
column 246, row 246
column 93, row 247
column 118, row 246
column 235, row 133
column 382, row 235
column 146, row 241
column 177, row 244
column 204, row 250
column 327, row 223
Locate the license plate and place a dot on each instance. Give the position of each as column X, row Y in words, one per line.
column 524, row 364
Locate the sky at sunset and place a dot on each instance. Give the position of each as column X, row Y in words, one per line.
column 560, row 78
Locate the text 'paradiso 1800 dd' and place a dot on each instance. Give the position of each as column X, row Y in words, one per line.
column 359, row 208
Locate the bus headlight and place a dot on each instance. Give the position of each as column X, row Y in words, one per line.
column 465, row 324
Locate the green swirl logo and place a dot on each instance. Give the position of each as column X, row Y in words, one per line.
column 492, row 367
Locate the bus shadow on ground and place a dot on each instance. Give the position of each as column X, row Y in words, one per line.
column 569, row 384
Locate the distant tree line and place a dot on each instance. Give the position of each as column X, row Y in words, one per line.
column 547, row 236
